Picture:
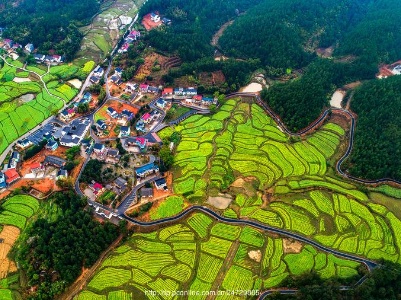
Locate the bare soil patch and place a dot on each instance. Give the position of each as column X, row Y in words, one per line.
column 220, row 202
column 255, row 255
column 8, row 236
column 291, row 246
column 219, row 33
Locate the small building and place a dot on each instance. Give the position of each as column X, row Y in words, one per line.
column 140, row 126
column 146, row 170
column 134, row 34
column 197, row 98
column 126, row 114
column 101, row 124
column 55, row 161
column 160, row 103
column 161, row 184
column 143, row 88
column 87, row 97
column 131, row 87
column 167, row 92
column 23, row 144
column 98, row 148
column 125, row 131
column 112, row 112
column 95, row 79
column 124, row 48
column 39, row 57
column 16, row 156
column 153, row 89
column 113, row 153
column 208, row 101
column 191, row 91
column 141, row 142
column 8, row 43
column 11, row 176
column 96, row 188
column 98, row 71
column 166, row 21
column 3, row 183
column 146, row 118
column 120, row 184
column 36, row 167
column 155, row 17
column 67, row 114
column 51, row 145
column 118, row 71
column 29, row 48
column 62, row 174
column 146, row 192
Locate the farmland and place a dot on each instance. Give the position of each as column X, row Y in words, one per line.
column 14, row 214
column 24, row 102
column 241, row 151
column 195, row 254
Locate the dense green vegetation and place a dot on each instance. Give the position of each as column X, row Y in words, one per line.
column 383, row 283
column 377, row 143
column 50, row 25
column 200, row 254
column 241, row 141
column 194, row 23
column 58, row 249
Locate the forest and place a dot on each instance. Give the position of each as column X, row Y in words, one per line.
column 384, row 283
column 285, row 33
column 56, row 251
column 377, row 144
column 194, row 23
column 51, row 25
column 300, row 101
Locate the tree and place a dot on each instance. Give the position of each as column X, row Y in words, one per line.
column 166, row 158
column 83, row 108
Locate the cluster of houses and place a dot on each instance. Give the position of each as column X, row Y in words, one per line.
column 10, row 174
column 52, row 161
column 131, row 37
column 67, row 114
column 190, row 94
column 124, row 118
column 146, row 120
column 97, row 75
column 73, row 133
column 110, row 155
column 116, row 77
column 146, row 88
column 49, row 59
column 155, row 17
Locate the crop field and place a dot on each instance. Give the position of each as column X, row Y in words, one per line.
column 158, row 261
column 18, row 115
column 241, row 138
column 16, row 210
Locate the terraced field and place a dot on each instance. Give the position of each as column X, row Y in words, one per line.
column 241, row 151
column 14, row 213
column 201, row 254
column 24, row 102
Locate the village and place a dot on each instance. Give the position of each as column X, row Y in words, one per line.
column 116, row 137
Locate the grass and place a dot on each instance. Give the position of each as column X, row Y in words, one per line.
column 169, row 207
column 16, row 210
column 156, row 261
column 110, row 277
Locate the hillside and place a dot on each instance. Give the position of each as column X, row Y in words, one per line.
column 376, row 151
column 52, row 25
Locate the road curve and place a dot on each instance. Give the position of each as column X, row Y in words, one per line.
column 368, row 263
column 323, row 116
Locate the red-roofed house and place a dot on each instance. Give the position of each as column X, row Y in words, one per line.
column 97, row 188
column 141, row 142
column 197, row 98
column 146, row 118
column 57, row 58
column 11, row 176
column 144, row 88
column 35, row 167
column 167, row 91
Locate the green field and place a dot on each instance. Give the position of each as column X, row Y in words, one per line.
column 17, row 209
column 18, row 116
column 241, row 141
column 194, row 254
